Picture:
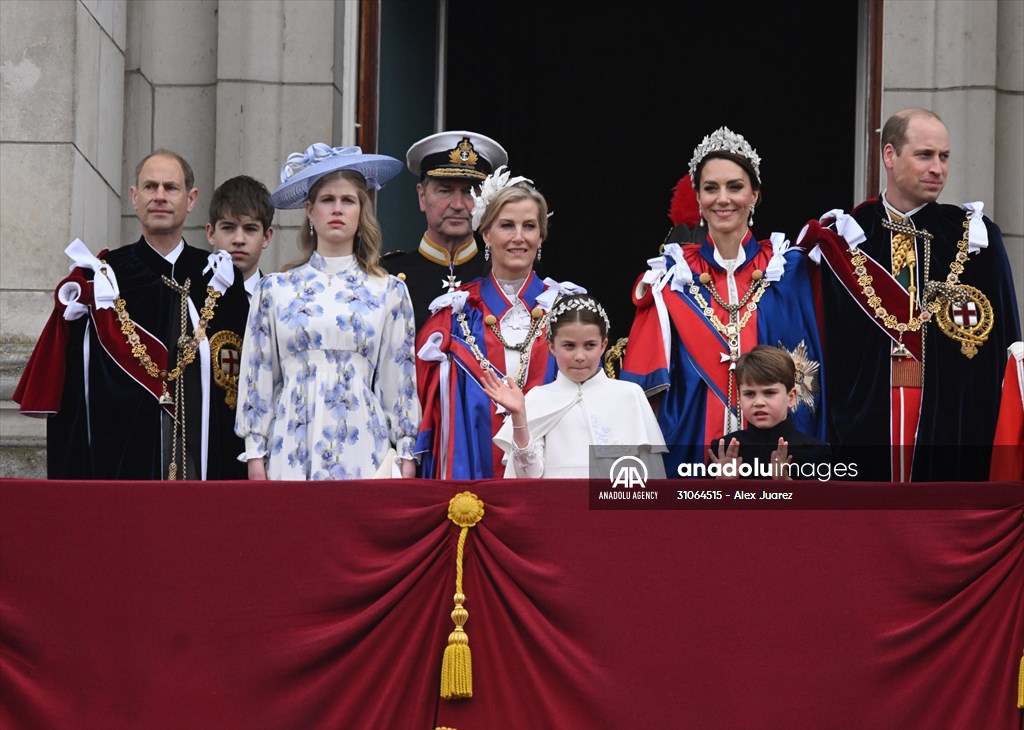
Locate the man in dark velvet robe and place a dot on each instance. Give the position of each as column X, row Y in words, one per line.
column 137, row 369
column 919, row 308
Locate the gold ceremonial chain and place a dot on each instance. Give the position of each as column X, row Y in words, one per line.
column 179, row 390
column 187, row 347
column 524, row 348
column 904, row 372
column 935, row 291
column 937, row 297
column 913, row 323
column 186, row 353
column 736, row 323
column 535, row 317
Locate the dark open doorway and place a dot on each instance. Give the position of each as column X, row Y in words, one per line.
column 602, row 109
column 602, row 106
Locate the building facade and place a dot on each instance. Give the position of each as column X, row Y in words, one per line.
column 88, row 87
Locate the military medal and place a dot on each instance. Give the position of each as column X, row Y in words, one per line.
column 451, row 283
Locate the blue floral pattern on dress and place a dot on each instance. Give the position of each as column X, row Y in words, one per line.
column 328, row 373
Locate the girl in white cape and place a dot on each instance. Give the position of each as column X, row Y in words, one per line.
column 581, row 411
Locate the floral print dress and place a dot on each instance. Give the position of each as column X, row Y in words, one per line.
column 328, row 379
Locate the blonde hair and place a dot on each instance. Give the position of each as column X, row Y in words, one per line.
column 513, row 194
column 369, row 240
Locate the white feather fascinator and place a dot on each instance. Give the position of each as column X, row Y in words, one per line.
column 491, row 186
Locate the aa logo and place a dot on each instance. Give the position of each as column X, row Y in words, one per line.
column 628, row 472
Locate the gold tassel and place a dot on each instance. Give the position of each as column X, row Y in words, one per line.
column 457, row 665
column 1020, row 685
column 465, row 510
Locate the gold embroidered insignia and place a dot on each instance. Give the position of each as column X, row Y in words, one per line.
column 967, row 317
column 226, row 353
column 463, row 154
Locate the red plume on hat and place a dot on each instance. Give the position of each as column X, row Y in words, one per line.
column 684, row 209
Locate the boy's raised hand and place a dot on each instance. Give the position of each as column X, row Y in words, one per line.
column 726, row 454
column 781, row 456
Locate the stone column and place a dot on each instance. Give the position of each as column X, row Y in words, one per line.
column 280, row 87
column 962, row 59
column 1009, row 140
column 61, row 76
column 89, row 87
column 169, row 87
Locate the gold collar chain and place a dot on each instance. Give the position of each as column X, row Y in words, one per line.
column 732, row 331
column 535, row 319
column 187, row 348
column 186, row 354
column 736, row 324
column 937, row 294
column 524, row 348
column 936, row 298
column 914, row 323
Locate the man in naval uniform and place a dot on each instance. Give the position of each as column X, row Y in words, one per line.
column 919, row 308
column 137, row 368
column 449, row 165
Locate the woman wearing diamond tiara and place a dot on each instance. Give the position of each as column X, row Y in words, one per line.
column 701, row 305
column 581, row 410
column 328, row 380
column 498, row 323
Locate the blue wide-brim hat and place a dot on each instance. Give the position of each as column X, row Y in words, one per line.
column 302, row 169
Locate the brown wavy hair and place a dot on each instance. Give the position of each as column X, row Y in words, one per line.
column 766, row 365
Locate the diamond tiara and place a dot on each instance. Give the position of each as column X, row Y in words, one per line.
column 724, row 139
column 568, row 304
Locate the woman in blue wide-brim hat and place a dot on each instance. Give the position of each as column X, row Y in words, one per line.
column 327, row 388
